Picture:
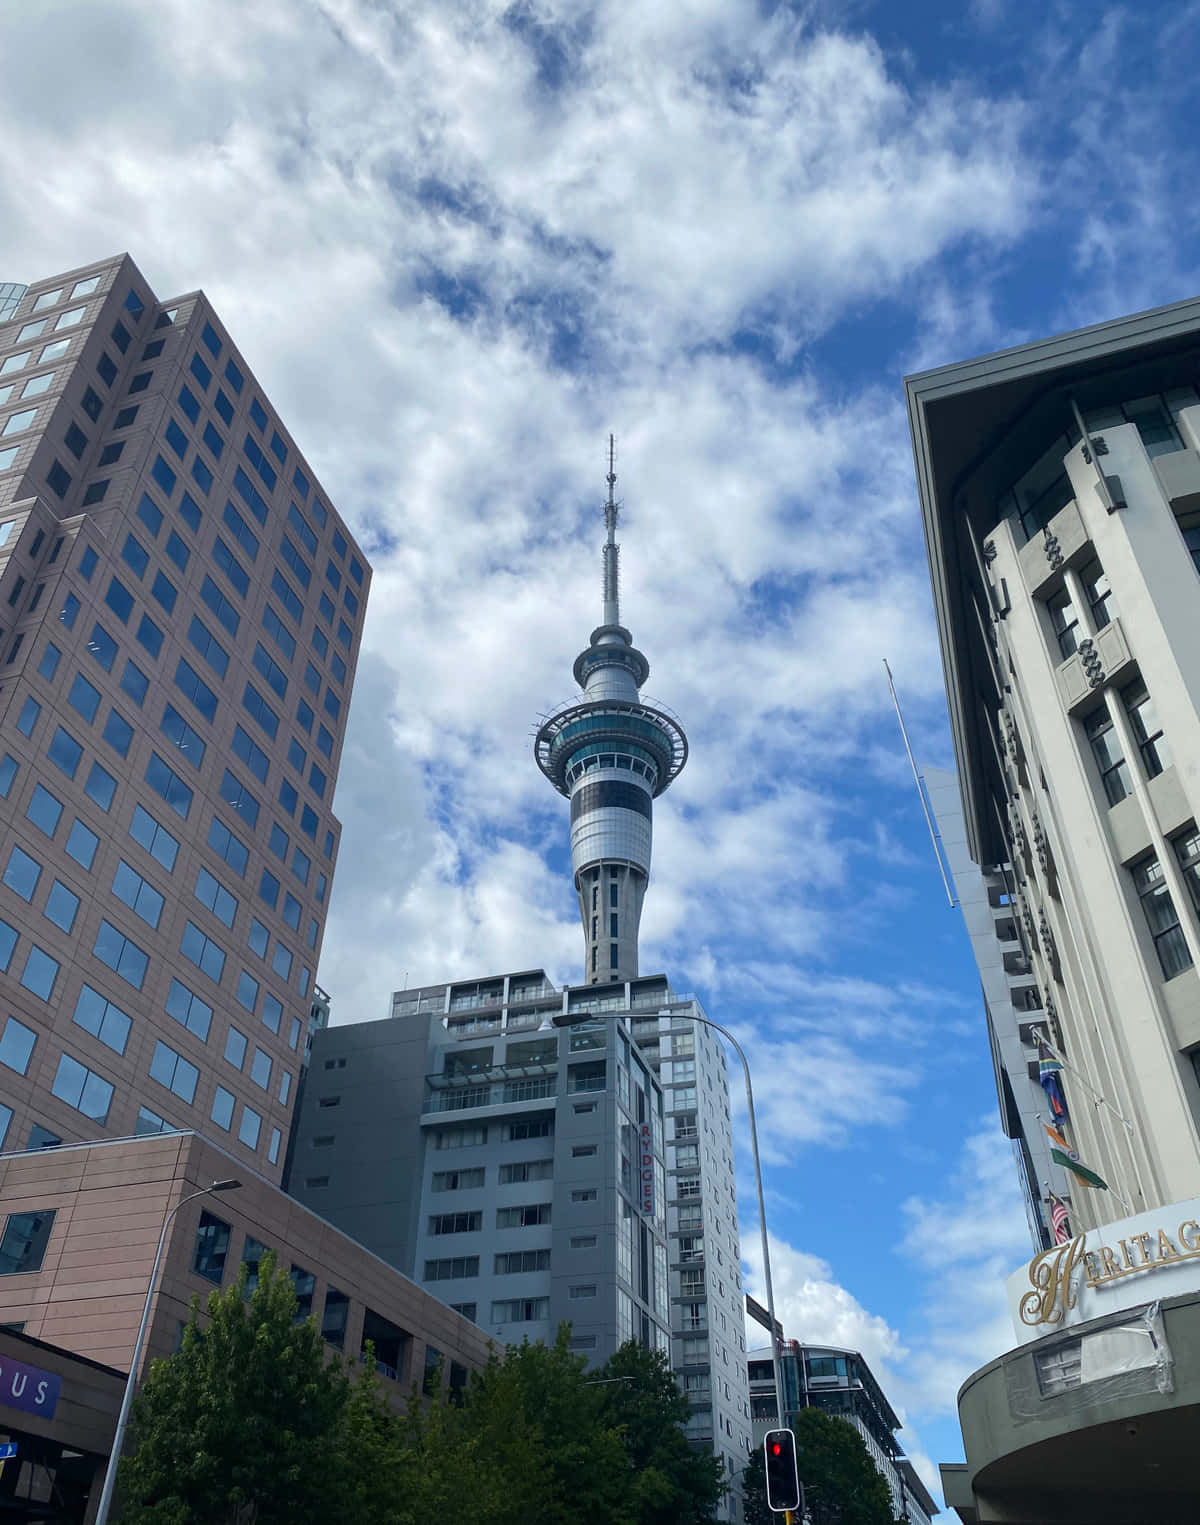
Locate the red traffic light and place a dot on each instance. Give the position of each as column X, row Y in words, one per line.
column 783, row 1482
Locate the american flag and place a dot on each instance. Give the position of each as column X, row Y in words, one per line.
column 1058, row 1217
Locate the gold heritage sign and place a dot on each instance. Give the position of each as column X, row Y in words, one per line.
column 1054, row 1287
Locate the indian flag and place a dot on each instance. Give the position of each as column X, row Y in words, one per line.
column 1062, row 1154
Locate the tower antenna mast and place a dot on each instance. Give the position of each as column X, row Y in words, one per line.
column 612, row 551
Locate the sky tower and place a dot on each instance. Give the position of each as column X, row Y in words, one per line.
column 610, row 754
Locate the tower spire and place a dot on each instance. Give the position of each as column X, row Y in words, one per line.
column 611, row 754
column 612, row 551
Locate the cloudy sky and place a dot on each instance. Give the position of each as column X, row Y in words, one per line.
column 460, row 243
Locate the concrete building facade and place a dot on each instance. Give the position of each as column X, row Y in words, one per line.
column 180, row 616
column 1060, row 488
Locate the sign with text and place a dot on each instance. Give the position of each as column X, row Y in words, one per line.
column 646, row 1169
column 28, row 1388
column 1126, row 1263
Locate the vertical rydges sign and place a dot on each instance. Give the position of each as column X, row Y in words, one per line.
column 647, row 1170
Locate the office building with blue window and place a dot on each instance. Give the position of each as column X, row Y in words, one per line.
column 180, row 615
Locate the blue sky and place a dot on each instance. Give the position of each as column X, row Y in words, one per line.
column 460, row 243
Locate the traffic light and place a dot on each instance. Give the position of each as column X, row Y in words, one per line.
column 783, row 1482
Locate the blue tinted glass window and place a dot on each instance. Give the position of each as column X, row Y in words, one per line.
column 22, row 873
column 320, row 641
column 118, row 733
column 207, row 955
column 326, row 608
column 178, row 551
column 265, row 664
column 322, row 885
column 300, row 483
column 202, row 476
column 140, row 382
column 64, row 752
column 301, row 865
column 291, row 912
column 220, row 606
column 223, row 406
column 317, row 781
column 212, row 342
column 304, row 716
column 278, row 448
column 176, row 729
column 120, row 600
column 227, row 846
column 188, row 403
column 125, row 417
column 62, row 905
column 8, row 772
column 101, row 785
column 324, row 742
column 299, row 567
column 259, row 461
column 350, row 600
column 344, row 634
column 44, row 810
column 250, row 495
column 258, row 414
column 189, row 682
column 268, row 888
column 312, row 678
column 256, row 706
column 304, row 530
column 332, row 575
column 154, row 838
column 189, row 512
column 247, row 990
column 28, row 717
column 288, row 797
column 232, row 568
column 259, row 938
column 356, row 570
column 151, row 516
column 210, row 892
column 213, row 441
column 149, row 635
column 177, row 439
column 286, row 597
column 137, row 893
column 208, row 646
column 16, row 1044
column 106, row 370
column 297, row 756
column 82, row 844
column 233, row 376
column 121, row 336
column 279, row 632
column 134, row 555
column 87, row 564
column 339, row 549
column 163, row 475
column 338, row 668
column 97, row 1015
column 166, row 782
column 278, row 842
column 308, row 822
column 121, row 954
column 238, row 797
column 134, row 681
column 58, row 477
column 163, row 589
column 82, row 1089
column 200, row 371
column 102, row 647
column 175, row 1072
column 242, row 532
column 253, row 756
column 189, row 1010
column 134, row 304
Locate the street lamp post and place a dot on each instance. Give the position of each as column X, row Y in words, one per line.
column 110, row 1475
column 572, row 1019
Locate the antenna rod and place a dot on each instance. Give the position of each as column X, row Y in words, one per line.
column 912, row 762
column 612, row 606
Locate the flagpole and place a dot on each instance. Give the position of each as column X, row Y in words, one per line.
column 1097, row 1097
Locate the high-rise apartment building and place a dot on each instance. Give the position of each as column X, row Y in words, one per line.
column 1060, row 488
column 535, row 1154
column 180, row 614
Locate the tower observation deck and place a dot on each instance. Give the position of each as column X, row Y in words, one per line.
column 611, row 754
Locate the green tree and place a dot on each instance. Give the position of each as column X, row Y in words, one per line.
column 754, row 1491
column 842, row 1484
column 551, row 1456
column 671, row 1483
column 237, row 1427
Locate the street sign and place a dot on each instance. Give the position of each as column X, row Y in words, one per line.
column 8, row 1450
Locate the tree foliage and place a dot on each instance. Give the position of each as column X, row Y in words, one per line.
column 842, row 1485
column 250, row 1423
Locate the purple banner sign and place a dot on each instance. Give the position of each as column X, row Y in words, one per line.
column 28, row 1388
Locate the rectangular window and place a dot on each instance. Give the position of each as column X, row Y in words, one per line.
column 186, row 1008
column 465, row 1137
column 137, row 893
column 153, row 838
column 212, row 1246
column 176, row 729
column 239, row 798
column 229, row 564
column 207, row 955
column 175, row 1072
column 455, row 1223
column 82, row 1089
column 1146, row 728
column 222, row 1108
column 23, row 1244
column 44, row 810
column 210, row 892
column 17, row 1040
column 521, row 1261
column 523, row 1217
column 334, row 1317
column 249, row 1128
column 521, row 1310
column 1106, row 749
column 252, row 755
column 457, row 1180
column 164, row 781
column 121, row 954
column 1162, row 918
column 220, row 606
column 452, row 1268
